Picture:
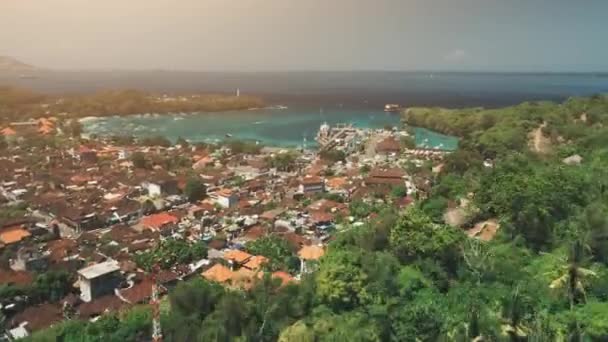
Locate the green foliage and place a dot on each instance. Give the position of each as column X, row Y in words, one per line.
column 333, row 156
column 155, row 141
column 283, row 161
column 532, row 198
column 365, row 169
column 11, row 212
column 139, row 160
column 592, row 317
column 50, row 286
column 417, row 236
column 74, row 128
column 405, row 276
column 195, row 189
column 277, row 250
column 399, row 191
column 134, row 325
column 171, row 252
column 247, row 147
column 341, row 280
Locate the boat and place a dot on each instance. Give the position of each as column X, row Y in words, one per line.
column 28, row 77
column 228, row 135
column 392, row 107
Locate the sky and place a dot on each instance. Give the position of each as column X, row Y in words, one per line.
column 278, row 35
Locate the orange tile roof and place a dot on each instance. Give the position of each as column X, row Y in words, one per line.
column 311, row 252
column 45, row 129
column 8, row 131
column 312, row 180
column 284, row 276
column 484, row 231
column 13, row 235
column 237, row 256
column 243, row 278
column 256, row 262
column 337, row 182
column 218, row 273
column 158, row 221
column 224, row 192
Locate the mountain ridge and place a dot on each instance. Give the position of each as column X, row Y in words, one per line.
column 11, row 64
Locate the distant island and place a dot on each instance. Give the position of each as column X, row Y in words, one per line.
column 20, row 104
column 10, row 64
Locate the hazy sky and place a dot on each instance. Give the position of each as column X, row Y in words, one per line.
column 568, row 35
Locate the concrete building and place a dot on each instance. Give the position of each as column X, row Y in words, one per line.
column 161, row 187
column 311, row 185
column 225, row 198
column 30, row 259
column 99, row 280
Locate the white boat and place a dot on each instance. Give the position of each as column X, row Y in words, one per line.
column 391, row 107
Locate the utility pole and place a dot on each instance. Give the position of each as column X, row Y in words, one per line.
column 157, row 333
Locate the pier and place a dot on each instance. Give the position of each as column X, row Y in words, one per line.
column 329, row 138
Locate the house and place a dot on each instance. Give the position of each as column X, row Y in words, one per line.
column 161, row 187
column 13, row 235
column 308, row 253
column 99, row 280
column 388, row 146
column 218, row 273
column 87, row 155
column 255, row 263
column 237, row 257
column 79, row 219
column 225, row 198
column 386, row 177
column 159, row 222
column 36, row 318
column 311, row 185
column 30, row 259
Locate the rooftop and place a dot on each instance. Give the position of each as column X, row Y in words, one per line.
column 13, row 234
column 100, row 269
column 159, row 220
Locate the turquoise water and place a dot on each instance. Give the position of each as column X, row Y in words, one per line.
column 274, row 127
column 425, row 138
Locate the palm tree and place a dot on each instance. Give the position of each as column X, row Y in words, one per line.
column 573, row 278
column 514, row 312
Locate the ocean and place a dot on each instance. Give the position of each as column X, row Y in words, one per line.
column 311, row 98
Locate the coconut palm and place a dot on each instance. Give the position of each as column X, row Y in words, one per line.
column 572, row 276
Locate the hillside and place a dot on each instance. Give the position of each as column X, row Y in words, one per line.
column 10, row 64
column 406, row 275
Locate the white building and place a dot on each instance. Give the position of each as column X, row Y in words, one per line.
column 225, row 198
column 98, row 280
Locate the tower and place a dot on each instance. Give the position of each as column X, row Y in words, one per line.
column 157, row 334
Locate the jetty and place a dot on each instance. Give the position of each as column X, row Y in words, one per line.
column 329, row 138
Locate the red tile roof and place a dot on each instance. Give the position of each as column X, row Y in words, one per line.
column 285, row 277
column 13, row 234
column 158, row 221
column 256, row 262
column 218, row 273
column 311, row 252
column 109, row 303
column 312, row 180
column 15, row 277
column 237, row 256
column 39, row 317
column 139, row 293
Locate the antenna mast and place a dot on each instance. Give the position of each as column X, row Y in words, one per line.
column 157, row 333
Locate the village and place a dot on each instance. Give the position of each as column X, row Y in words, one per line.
column 115, row 223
